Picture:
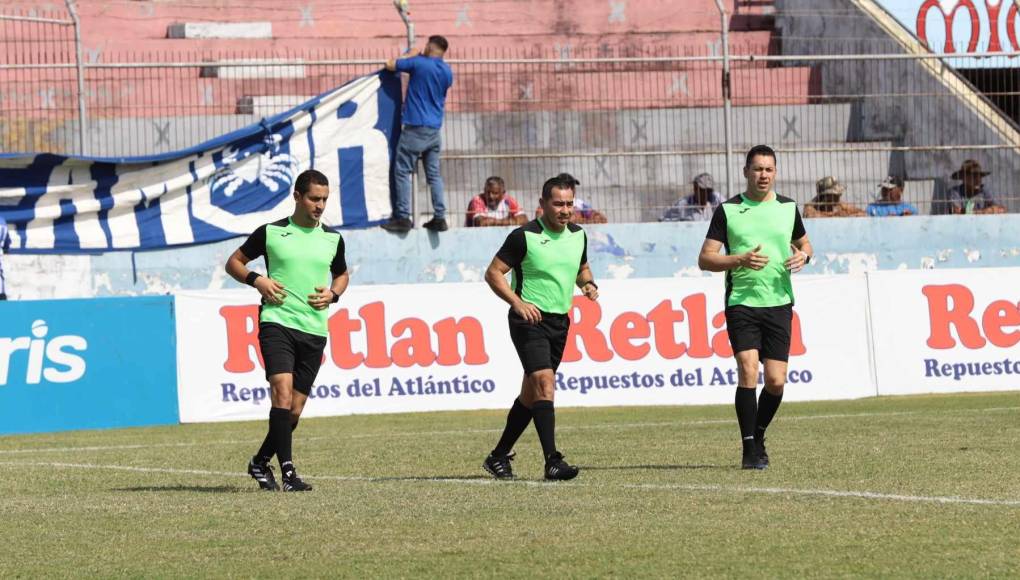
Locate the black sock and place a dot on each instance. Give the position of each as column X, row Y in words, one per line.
column 545, row 424
column 768, row 404
column 279, row 432
column 746, row 415
column 516, row 422
column 266, row 452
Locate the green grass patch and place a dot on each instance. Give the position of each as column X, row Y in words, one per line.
column 877, row 487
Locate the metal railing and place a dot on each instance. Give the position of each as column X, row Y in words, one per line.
column 635, row 126
column 38, row 96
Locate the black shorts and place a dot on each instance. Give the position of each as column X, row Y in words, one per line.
column 286, row 350
column 539, row 346
column 765, row 329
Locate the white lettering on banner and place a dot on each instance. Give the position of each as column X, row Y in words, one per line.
column 223, row 187
column 945, row 331
column 39, row 351
column 646, row 342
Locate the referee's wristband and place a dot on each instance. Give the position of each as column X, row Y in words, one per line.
column 336, row 297
column 592, row 282
column 251, row 277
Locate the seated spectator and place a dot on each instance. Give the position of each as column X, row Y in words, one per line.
column 584, row 212
column 890, row 202
column 696, row 207
column 971, row 196
column 5, row 246
column 827, row 202
column 494, row 207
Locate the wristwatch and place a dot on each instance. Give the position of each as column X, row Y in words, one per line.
column 336, row 297
column 592, row 282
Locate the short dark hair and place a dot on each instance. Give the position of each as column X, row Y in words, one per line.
column 495, row 180
column 759, row 150
column 439, row 42
column 308, row 178
column 556, row 183
column 569, row 179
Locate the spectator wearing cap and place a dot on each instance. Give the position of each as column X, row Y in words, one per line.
column 696, row 207
column 828, row 201
column 584, row 212
column 971, row 196
column 890, row 201
column 494, row 207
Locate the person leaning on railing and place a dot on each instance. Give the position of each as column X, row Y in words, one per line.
column 698, row 206
column 494, row 207
column 890, row 201
column 5, row 246
column 971, row 196
column 828, row 201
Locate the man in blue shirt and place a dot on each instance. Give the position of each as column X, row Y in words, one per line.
column 697, row 206
column 430, row 79
column 890, row 202
column 5, row 246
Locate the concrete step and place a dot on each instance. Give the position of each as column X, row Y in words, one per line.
column 111, row 49
column 860, row 169
column 644, row 129
column 164, row 92
column 322, row 18
column 255, row 68
column 138, row 136
column 220, row 30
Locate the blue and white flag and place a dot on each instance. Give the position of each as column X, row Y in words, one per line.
column 220, row 189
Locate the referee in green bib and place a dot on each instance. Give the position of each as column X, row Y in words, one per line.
column 765, row 243
column 307, row 271
column 548, row 257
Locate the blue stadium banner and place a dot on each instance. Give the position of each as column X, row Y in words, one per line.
column 223, row 188
column 87, row 364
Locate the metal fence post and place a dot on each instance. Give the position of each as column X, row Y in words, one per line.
column 724, row 26
column 80, row 68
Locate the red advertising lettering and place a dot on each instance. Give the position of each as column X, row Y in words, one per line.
column 242, row 325
column 993, row 13
column 950, row 307
column 633, row 335
column 448, row 342
column 999, row 316
column 948, row 19
column 627, row 327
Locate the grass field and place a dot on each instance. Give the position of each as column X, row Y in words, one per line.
column 901, row 487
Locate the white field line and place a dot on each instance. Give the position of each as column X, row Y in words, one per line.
column 839, row 494
column 599, row 427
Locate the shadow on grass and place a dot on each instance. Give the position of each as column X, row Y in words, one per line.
column 660, row 467
column 188, row 488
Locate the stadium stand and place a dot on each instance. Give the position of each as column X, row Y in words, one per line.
column 640, row 130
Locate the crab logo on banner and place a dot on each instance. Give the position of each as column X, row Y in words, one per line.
column 271, row 171
column 220, row 189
